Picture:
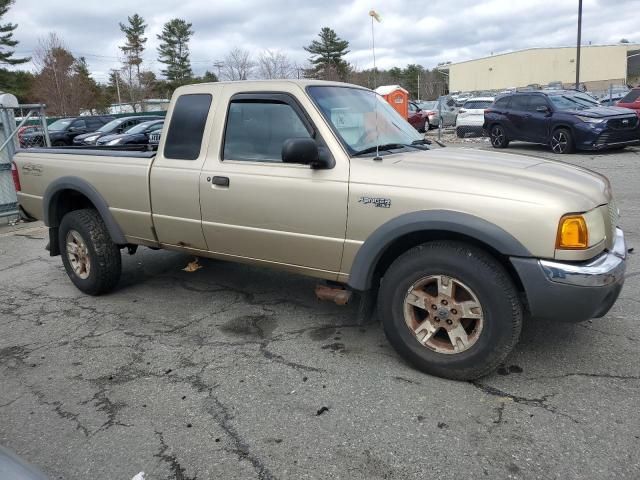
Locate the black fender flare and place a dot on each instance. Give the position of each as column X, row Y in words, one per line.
column 85, row 188
column 367, row 257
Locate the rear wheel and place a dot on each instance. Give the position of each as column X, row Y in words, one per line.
column 90, row 257
column 450, row 309
column 499, row 137
column 459, row 132
column 562, row 141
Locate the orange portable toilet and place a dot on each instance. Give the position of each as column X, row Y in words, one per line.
column 397, row 97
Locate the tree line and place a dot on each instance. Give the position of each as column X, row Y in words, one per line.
column 64, row 83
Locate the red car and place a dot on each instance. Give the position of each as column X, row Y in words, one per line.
column 418, row 118
column 631, row 100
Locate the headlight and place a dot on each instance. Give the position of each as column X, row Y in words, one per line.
column 115, row 141
column 591, row 120
column 579, row 232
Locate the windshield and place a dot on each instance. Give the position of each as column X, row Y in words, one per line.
column 573, row 101
column 428, row 105
column 111, row 126
column 632, row 96
column 354, row 114
column 140, row 128
column 61, row 124
column 477, row 104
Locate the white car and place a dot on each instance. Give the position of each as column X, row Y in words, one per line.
column 471, row 116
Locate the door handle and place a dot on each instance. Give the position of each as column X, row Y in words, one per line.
column 220, row 181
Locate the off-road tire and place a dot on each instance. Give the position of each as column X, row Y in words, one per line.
column 104, row 255
column 501, row 308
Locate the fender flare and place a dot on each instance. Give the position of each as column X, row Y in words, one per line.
column 367, row 257
column 81, row 186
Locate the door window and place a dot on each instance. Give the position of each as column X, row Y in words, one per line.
column 519, row 103
column 535, row 102
column 79, row 124
column 257, row 129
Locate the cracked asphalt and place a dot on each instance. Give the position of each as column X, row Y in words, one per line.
column 237, row 372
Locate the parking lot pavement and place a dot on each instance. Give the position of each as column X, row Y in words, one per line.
column 237, row 372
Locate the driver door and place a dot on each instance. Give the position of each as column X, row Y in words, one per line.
column 254, row 206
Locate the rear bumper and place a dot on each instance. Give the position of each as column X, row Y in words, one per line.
column 573, row 292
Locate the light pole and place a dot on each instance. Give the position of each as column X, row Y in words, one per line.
column 578, row 45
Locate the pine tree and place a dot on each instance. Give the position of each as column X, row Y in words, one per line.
column 174, row 51
column 328, row 56
column 6, row 38
column 135, row 41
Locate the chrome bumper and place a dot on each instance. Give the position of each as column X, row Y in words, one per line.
column 606, row 269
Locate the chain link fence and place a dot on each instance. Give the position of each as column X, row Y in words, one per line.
column 22, row 126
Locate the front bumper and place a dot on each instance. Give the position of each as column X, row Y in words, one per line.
column 573, row 292
column 603, row 138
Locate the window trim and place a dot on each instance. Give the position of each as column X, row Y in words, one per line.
column 274, row 97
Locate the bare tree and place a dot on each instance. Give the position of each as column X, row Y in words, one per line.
column 275, row 64
column 238, row 65
column 62, row 81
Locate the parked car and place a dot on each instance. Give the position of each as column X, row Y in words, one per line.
column 470, row 119
column 63, row 131
column 325, row 179
column 137, row 135
column 565, row 120
column 431, row 109
column 154, row 138
column 114, row 127
column 24, row 130
column 418, row 118
column 631, row 100
column 447, row 109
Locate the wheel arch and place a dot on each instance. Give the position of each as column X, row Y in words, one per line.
column 66, row 194
column 397, row 236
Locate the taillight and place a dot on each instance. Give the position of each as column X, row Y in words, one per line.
column 16, row 176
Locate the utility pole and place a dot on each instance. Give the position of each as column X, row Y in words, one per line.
column 418, row 86
column 115, row 73
column 578, row 45
column 219, row 66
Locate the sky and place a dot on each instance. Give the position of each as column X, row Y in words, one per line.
column 423, row 32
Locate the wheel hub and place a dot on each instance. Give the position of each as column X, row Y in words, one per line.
column 443, row 314
column 78, row 254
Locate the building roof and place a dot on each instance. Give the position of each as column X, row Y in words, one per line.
column 627, row 46
column 387, row 89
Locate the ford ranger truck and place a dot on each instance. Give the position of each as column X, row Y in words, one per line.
column 327, row 180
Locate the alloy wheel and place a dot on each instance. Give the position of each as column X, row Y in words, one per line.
column 443, row 313
column 559, row 142
column 78, row 254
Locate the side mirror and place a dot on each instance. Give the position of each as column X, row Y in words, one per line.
column 306, row 152
column 542, row 109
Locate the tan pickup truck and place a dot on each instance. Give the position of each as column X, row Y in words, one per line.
column 326, row 180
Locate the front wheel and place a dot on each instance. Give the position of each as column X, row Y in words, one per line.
column 562, row 141
column 450, row 309
column 460, row 132
column 90, row 257
column 498, row 137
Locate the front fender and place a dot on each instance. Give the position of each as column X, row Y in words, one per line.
column 366, row 260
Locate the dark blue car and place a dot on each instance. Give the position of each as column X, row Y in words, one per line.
column 565, row 120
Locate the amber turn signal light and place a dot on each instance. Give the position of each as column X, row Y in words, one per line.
column 572, row 233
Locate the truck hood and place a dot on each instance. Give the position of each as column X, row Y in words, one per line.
column 512, row 177
column 601, row 112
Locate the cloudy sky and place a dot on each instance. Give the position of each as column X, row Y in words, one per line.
column 424, row 32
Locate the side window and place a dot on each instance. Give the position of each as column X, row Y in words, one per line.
column 412, row 108
column 184, row 137
column 537, row 101
column 94, row 123
column 502, row 103
column 519, row 102
column 256, row 130
column 153, row 128
column 79, row 124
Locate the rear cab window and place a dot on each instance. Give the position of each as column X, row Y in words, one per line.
column 186, row 129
